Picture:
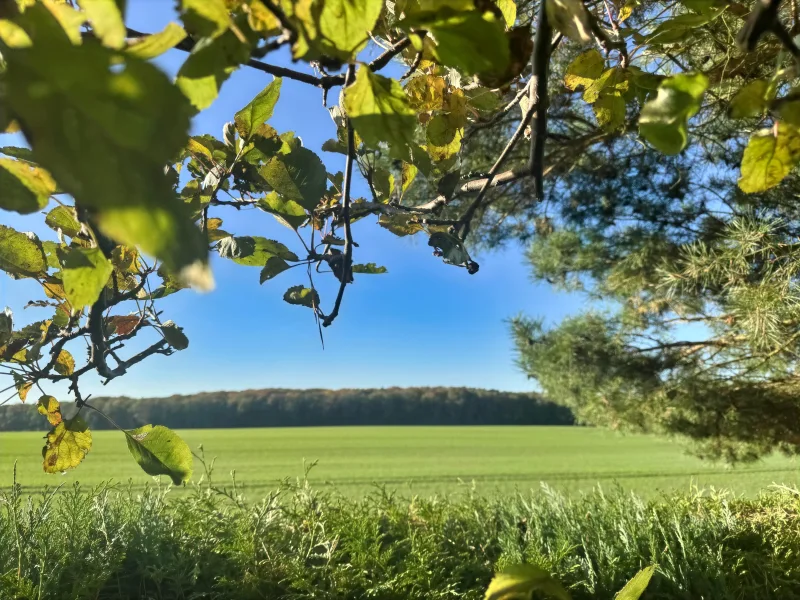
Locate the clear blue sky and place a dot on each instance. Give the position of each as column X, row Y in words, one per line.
column 423, row 323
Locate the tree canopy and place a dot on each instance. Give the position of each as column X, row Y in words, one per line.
column 645, row 150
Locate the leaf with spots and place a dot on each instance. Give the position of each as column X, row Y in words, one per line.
column 67, row 445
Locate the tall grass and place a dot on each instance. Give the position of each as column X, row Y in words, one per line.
column 299, row 543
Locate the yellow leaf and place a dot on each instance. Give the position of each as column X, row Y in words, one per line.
column 50, row 408
column 67, row 445
column 65, row 364
column 769, row 158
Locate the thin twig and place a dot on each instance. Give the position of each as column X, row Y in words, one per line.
column 538, row 97
column 348, row 237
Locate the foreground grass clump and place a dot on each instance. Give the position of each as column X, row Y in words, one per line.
column 298, row 543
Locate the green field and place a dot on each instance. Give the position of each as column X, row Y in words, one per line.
column 421, row 460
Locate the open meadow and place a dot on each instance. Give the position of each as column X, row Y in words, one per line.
column 419, row 460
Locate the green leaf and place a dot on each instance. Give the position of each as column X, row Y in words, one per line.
column 174, row 335
column 379, row 111
column 520, row 581
column 750, row 101
column 610, row 111
column 456, row 36
column 275, row 266
column 21, row 255
column 160, row 451
column 24, row 187
column 337, row 28
column 67, row 445
column 584, row 70
column 664, row 120
column 156, row 44
column 259, row 110
column 85, row 273
column 302, row 296
column 482, row 98
column 400, row 224
column 50, row 408
column 6, row 326
column 677, row 28
column 288, row 212
column 369, row 269
column 63, row 218
column 106, row 20
column 509, row 10
column 105, row 124
column 611, row 81
column 453, row 251
column 769, row 158
column 444, row 140
column 571, row 18
column 206, row 17
column 299, row 176
column 253, row 251
column 634, row 589
column 65, row 365
column 208, row 66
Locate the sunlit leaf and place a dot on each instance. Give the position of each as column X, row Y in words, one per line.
column 288, row 212
column 253, row 251
column 336, row 28
column 21, row 254
column 769, row 158
column 122, row 324
column 208, row 66
column 105, row 124
column 258, row 111
column 456, row 34
column 610, row 111
column 24, row 187
column 23, row 386
column 426, row 92
column 67, row 445
column 299, row 176
column 571, row 18
column 151, row 46
column 664, row 120
column 509, row 10
column 750, row 100
column 85, row 273
column 106, row 20
column 206, row 17
column 518, row 582
column 65, row 364
column 50, row 408
column 302, row 296
column 63, row 218
column 379, row 110
column 160, row 451
column 634, row 589
column 584, row 70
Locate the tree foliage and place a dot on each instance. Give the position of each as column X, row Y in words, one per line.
column 303, row 408
column 509, row 118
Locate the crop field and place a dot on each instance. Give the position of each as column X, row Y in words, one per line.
column 417, row 460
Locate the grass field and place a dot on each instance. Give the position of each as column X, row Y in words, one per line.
column 419, row 460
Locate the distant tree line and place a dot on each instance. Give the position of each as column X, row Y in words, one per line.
column 307, row 408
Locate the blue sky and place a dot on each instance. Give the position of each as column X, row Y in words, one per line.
column 423, row 323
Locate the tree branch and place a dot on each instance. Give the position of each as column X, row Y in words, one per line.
column 348, row 237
